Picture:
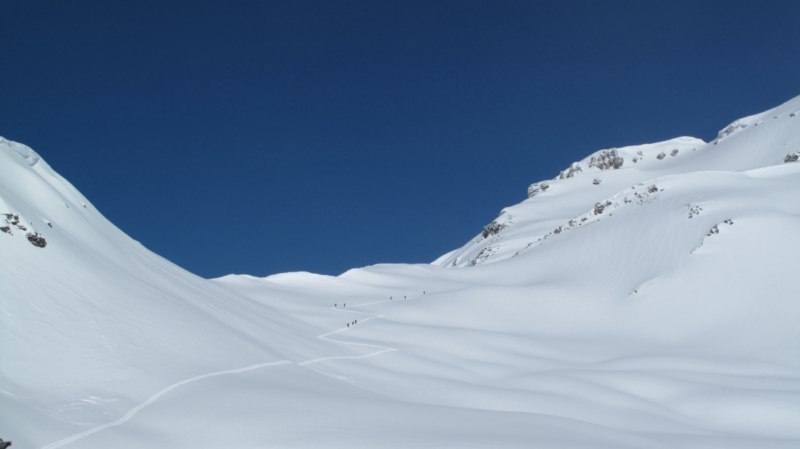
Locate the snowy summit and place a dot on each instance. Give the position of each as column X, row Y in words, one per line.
column 643, row 297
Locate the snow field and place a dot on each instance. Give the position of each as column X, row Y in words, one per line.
column 655, row 308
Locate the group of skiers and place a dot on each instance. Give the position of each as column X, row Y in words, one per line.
column 4, row 444
column 344, row 306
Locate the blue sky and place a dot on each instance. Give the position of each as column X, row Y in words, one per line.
column 262, row 137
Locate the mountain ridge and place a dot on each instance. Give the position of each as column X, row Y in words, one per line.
column 639, row 164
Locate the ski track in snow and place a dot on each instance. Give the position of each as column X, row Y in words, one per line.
column 131, row 413
column 325, row 337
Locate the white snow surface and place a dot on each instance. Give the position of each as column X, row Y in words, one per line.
column 656, row 307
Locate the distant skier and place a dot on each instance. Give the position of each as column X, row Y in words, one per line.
column 335, row 306
column 4, row 444
column 348, row 324
column 404, row 297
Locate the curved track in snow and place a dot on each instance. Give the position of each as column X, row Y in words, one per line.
column 326, row 336
column 132, row 412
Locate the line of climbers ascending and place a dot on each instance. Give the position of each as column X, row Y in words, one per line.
column 344, row 306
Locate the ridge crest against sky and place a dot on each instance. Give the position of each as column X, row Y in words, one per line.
column 255, row 137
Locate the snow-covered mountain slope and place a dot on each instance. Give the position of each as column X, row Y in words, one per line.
column 655, row 308
column 92, row 323
column 656, row 305
column 753, row 142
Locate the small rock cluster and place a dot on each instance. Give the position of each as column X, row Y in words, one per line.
column 715, row 229
column 483, row 255
column 641, row 197
column 535, row 189
column 728, row 130
column 600, row 207
column 14, row 221
column 36, row 239
column 607, row 160
column 493, row 228
column 571, row 171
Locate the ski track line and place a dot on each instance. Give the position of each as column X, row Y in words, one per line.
column 325, row 337
column 381, row 349
column 132, row 412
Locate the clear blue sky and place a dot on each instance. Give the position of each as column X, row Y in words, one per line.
column 260, row 137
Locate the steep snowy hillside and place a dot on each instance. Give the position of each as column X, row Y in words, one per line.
column 644, row 298
column 91, row 323
column 761, row 140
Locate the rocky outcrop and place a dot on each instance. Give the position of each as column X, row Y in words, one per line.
column 36, row 239
column 13, row 221
column 537, row 188
column 493, row 228
column 607, row 160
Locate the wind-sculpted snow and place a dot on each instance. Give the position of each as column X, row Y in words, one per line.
column 644, row 298
column 23, row 152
